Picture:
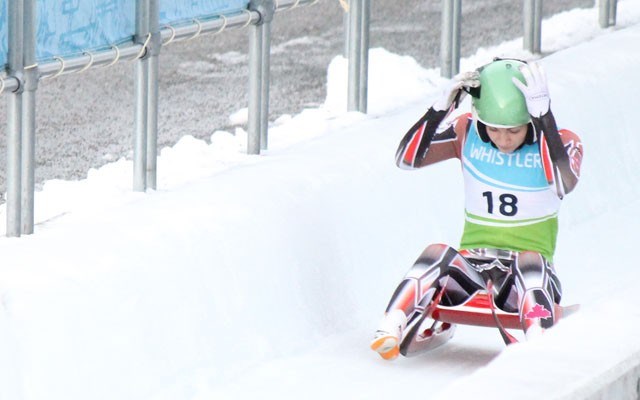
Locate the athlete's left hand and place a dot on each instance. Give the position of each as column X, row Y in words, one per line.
column 535, row 92
column 454, row 89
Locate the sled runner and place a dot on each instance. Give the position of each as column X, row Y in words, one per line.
column 437, row 324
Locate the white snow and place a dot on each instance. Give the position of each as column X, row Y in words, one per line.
column 265, row 276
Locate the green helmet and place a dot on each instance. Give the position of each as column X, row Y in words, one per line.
column 499, row 102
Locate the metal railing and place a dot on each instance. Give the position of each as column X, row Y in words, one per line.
column 532, row 29
column 23, row 73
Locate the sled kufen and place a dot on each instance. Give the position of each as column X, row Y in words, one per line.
column 437, row 324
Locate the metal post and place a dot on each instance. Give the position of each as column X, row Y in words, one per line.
column 450, row 37
column 255, row 90
column 259, row 49
column 355, row 55
column 613, row 12
column 265, row 31
column 142, row 97
column 364, row 56
column 141, row 126
column 604, row 14
column 537, row 32
column 15, row 66
column 445, row 38
column 267, row 10
column 608, row 13
column 155, row 45
column 29, row 117
column 527, row 19
column 532, row 16
column 455, row 40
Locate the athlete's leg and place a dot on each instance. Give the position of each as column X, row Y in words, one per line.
column 439, row 267
column 538, row 290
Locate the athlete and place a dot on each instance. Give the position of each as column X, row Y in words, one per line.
column 517, row 167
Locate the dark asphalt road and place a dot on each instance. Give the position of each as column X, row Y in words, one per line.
column 86, row 119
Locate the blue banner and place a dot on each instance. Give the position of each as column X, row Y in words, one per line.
column 71, row 27
column 176, row 11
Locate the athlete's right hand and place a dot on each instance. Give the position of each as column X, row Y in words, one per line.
column 535, row 91
column 454, row 87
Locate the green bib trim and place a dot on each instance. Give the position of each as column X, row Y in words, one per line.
column 515, row 236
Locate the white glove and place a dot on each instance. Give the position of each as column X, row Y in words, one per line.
column 535, row 92
column 454, row 86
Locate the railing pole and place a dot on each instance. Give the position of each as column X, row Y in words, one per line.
column 457, row 22
column 142, row 100
column 155, row 45
column 537, row 32
column 450, row 38
column 267, row 10
column 15, row 66
column 355, row 55
column 604, row 14
column 608, row 13
column 29, row 117
column 364, row 56
column 532, row 17
column 259, row 67
column 265, row 31
column 613, row 12
column 255, row 88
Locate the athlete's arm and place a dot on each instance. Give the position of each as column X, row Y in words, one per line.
column 565, row 152
column 564, row 147
column 431, row 139
column 415, row 148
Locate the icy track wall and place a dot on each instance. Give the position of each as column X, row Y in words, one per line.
column 604, row 338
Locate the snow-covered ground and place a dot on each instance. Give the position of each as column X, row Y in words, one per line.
column 265, row 276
